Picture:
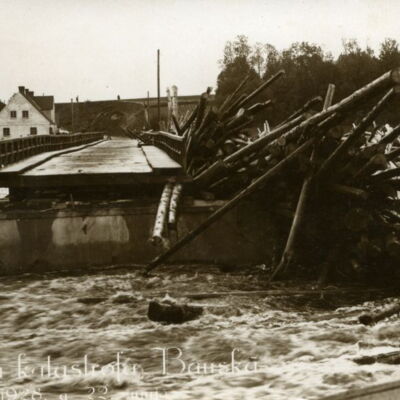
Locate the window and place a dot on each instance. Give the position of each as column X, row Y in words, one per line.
column 13, row 114
column 51, row 130
column 6, row 132
column 33, row 131
column 25, row 114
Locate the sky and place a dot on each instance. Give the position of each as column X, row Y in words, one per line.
column 99, row 49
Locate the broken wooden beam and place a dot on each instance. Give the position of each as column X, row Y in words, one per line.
column 306, row 107
column 271, row 292
column 329, row 164
column 189, row 121
column 373, row 318
column 161, row 216
column 176, row 125
column 234, row 93
column 272, row 173
column 349, row 190
column 392, row 357
column 262, row 87
column 173, row 206
column 389, row 78
column 302, row 204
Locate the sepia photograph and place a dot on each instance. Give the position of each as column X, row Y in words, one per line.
column 200, row 200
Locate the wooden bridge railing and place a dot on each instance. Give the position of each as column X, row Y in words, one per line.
column 13, row 150
column 172, row 144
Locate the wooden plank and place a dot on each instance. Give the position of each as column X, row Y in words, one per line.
column 31, row 162
column 160, row 161
column 384, row 391
column 111, row 162
column 110, row 157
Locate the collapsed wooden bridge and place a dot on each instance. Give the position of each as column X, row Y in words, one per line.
column 340, row 185
column 331, row 172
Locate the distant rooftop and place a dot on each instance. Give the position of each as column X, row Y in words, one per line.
column 153, row 100
column 41, row 103
column 44, row 102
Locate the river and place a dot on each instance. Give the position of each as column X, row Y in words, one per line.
column 87, row 336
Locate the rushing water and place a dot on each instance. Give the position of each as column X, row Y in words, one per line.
column 286, row 347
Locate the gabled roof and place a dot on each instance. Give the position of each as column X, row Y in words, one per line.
column 46, row 103
column 32, row 99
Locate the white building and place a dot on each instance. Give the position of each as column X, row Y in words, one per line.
column 26, row 114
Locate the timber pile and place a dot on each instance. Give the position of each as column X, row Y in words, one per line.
column 338, row 174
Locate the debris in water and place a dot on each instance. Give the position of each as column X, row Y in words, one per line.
column 173, row 313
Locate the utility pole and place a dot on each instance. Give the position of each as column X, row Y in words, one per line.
column 72, row 115
column 148, row 109
column 78, row 125
column 169, row 108
column 158, row 88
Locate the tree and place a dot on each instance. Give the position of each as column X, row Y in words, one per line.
column 271, row 59
column 356, row 67
column 239, row 48
column 257, row 58
column 236, row 64
column 389, row 58
column 389, row 54
column 230, row 77
column 308, row 72
column 228, row 56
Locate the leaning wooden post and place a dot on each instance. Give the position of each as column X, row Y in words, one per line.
column 176, row 125
column 329, row 164
column 373, row 318
column 388, row 79
column 305, row 193
column 173, row 206
column 387, row 174
column 306, row 107
column 221, row 166
column 189, row 121
column 232, row 95
column 329, row 96
column 161, row 216
column 202, row 108
column 273, row 172
column 261, row 88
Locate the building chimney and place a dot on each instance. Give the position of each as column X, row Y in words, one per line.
column 21, row 89
column 30, row 92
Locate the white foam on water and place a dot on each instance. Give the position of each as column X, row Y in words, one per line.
column 301, row 352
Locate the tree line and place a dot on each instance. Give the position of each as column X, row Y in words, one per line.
column 309, row 69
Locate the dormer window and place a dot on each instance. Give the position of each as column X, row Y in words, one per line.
column 13, row 114
column 25, row 114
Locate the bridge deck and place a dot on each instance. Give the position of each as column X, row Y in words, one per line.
column 109, row 162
